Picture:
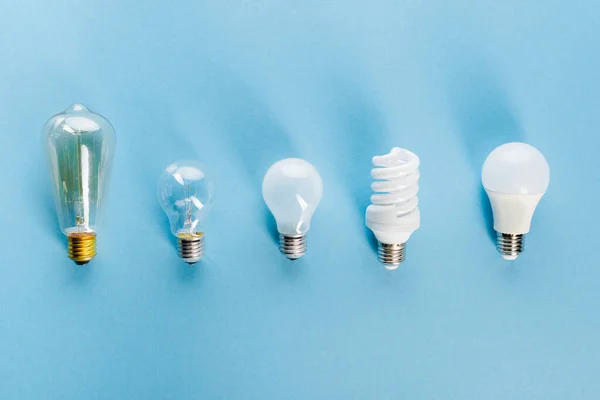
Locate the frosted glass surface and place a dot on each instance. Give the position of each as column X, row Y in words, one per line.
column 292, row 189
column 516, row 168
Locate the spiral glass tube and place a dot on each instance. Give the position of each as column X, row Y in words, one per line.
column 394, row 213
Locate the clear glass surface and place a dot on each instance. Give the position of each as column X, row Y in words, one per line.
column 80, row 146
column 186, row 196
column 516, row 168
column 292, row 189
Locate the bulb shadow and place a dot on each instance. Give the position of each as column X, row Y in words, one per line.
column 41, row 190
column 251, row 131
column 291, row 270
column 487, row 214
column 371, row 239
column 511, row 272
column 189, row 273
column 486, row 119
column 51, row 220
column 159, row 139
column 165, row 225
column 271, row 225
column 250, row 126
column 362, row 135
column 80, row 275
column 46, row 210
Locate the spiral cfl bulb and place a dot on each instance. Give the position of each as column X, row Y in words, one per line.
column 515, row 177
column 292, row 189
column 394, row 213
column 80, row 146
column 186, row 197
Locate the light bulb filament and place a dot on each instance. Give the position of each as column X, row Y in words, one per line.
column 79, row 145
column 186, row 198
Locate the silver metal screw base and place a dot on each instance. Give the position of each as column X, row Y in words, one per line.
column 390, row 255
column 292, row 246
column 191, row 249
column 510, row 245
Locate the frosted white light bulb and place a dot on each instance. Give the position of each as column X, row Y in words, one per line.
column 394, row 213
column 186, row 196
column 80, row 146
column 292, row 189
column 515, row 177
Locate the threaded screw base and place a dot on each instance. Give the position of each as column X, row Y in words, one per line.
column 292, row 246
column 191, row 248
column 510, row 245
column 390, row 255
column 81, row 247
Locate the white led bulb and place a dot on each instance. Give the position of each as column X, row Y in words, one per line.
column 515, row 177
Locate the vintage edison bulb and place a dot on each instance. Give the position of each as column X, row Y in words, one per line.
column 80, row 146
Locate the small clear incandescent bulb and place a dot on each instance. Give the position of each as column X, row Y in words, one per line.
column 187, row 197
column 394, row 214
column 80, row 146
column 292, row 189
column 515, row 177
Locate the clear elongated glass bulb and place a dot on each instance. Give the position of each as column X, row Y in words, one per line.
column 515, row 177
column 292, row 189
column 80, row 146
column 187, row 197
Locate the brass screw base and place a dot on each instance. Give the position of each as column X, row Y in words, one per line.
column 191, row 247
column 82, row 247
column 391, row 255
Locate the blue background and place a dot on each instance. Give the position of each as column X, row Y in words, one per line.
column 242, row 84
